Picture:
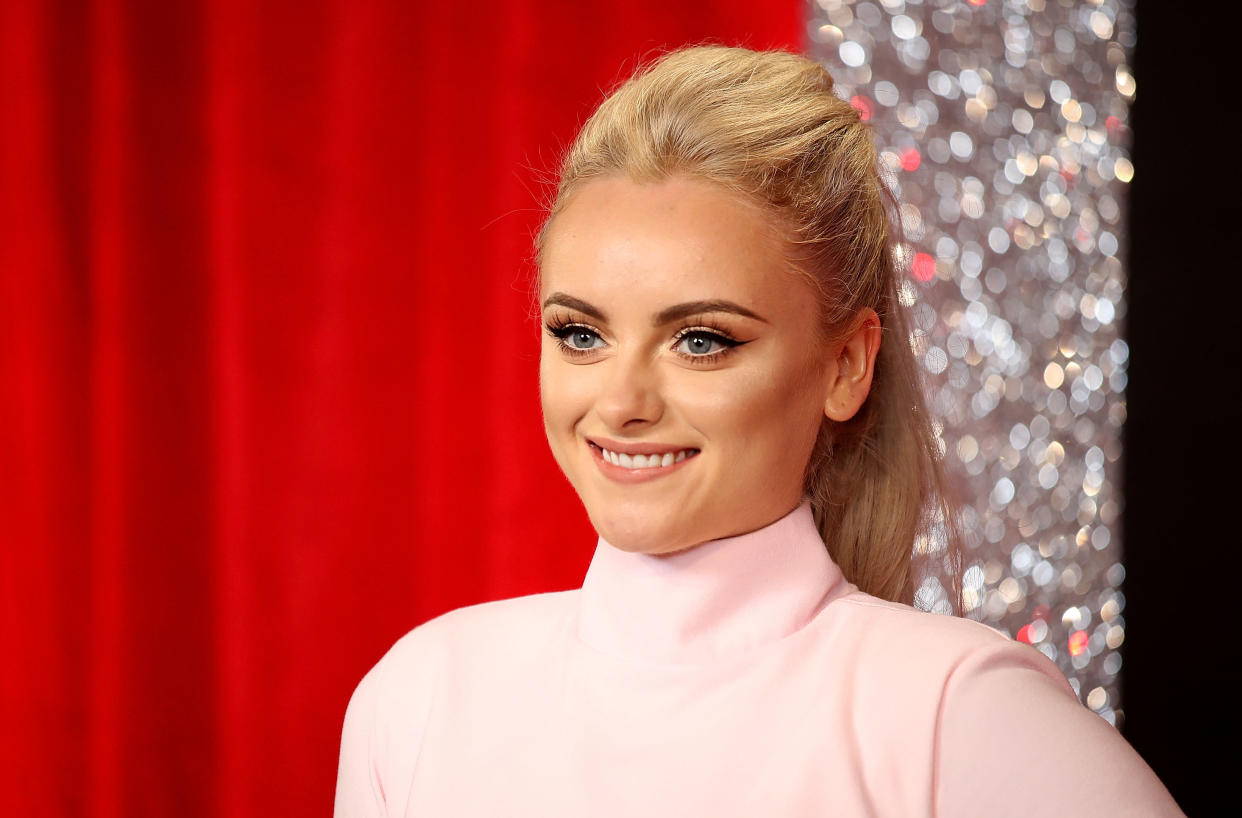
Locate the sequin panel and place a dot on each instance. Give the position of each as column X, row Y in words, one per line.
column 1002, row 125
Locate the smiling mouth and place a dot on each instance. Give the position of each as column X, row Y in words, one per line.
column 644, row 461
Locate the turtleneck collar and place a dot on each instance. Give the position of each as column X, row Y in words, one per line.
column 716, row 599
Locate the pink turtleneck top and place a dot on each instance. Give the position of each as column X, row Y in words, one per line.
column 742, row 677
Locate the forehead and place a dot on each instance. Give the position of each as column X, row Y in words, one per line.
column 672, row 240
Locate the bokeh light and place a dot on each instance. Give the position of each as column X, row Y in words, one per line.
column 1003, row 127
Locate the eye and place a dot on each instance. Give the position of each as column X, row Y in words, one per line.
column 574, row 339
column 698, row 343
column 581, row 338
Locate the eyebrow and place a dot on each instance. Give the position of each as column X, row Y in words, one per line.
column 664, row 316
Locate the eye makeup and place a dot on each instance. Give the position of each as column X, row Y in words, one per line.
column 703, row 333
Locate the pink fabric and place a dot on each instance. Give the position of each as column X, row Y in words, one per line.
column 742, row 677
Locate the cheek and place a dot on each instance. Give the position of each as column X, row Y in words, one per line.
column 762, row 397
column 564, row 393
column 731, row 406
column 764, row 414
column 551, row 393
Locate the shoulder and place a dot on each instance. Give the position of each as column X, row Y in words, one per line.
column 977, row 708
column 928, row 693
column 474, row 633
column 880, row 624
column 389, row 710
column 403, row 682
column 922, row 658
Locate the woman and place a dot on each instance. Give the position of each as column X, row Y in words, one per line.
column 726, row 384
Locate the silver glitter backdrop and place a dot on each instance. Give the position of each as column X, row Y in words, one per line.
column 1003, row 124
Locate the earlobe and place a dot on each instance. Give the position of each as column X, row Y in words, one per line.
column 853, row 368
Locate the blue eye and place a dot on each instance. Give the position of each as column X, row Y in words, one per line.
column 582, row 338
column 699, row 343
column 575, row 339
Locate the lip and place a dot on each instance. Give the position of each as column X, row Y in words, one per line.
column 621, row 474
column 636, row 448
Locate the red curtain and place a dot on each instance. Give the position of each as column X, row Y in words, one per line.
column 268, row 377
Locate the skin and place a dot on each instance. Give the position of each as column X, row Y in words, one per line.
column 629, row 250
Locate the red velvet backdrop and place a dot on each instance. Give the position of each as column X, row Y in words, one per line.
column 268, row 391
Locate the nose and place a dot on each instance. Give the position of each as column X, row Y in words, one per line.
column 630, row 395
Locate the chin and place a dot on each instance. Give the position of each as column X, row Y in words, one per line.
column 639, row 532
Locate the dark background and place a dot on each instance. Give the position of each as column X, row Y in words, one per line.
column 1181, row 678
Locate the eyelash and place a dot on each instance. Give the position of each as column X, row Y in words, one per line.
column 560, row 329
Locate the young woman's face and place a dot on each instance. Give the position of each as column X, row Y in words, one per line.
column 681, row 379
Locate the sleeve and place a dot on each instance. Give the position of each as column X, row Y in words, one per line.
column 359, row 793
column 1012, row 739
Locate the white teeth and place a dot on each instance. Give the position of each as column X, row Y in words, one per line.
column 644, row 461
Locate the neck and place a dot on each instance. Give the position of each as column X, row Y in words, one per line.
column 718, row 598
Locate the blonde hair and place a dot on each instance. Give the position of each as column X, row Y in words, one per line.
column 768, row 125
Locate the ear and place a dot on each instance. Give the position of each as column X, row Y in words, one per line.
column 851, row 367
